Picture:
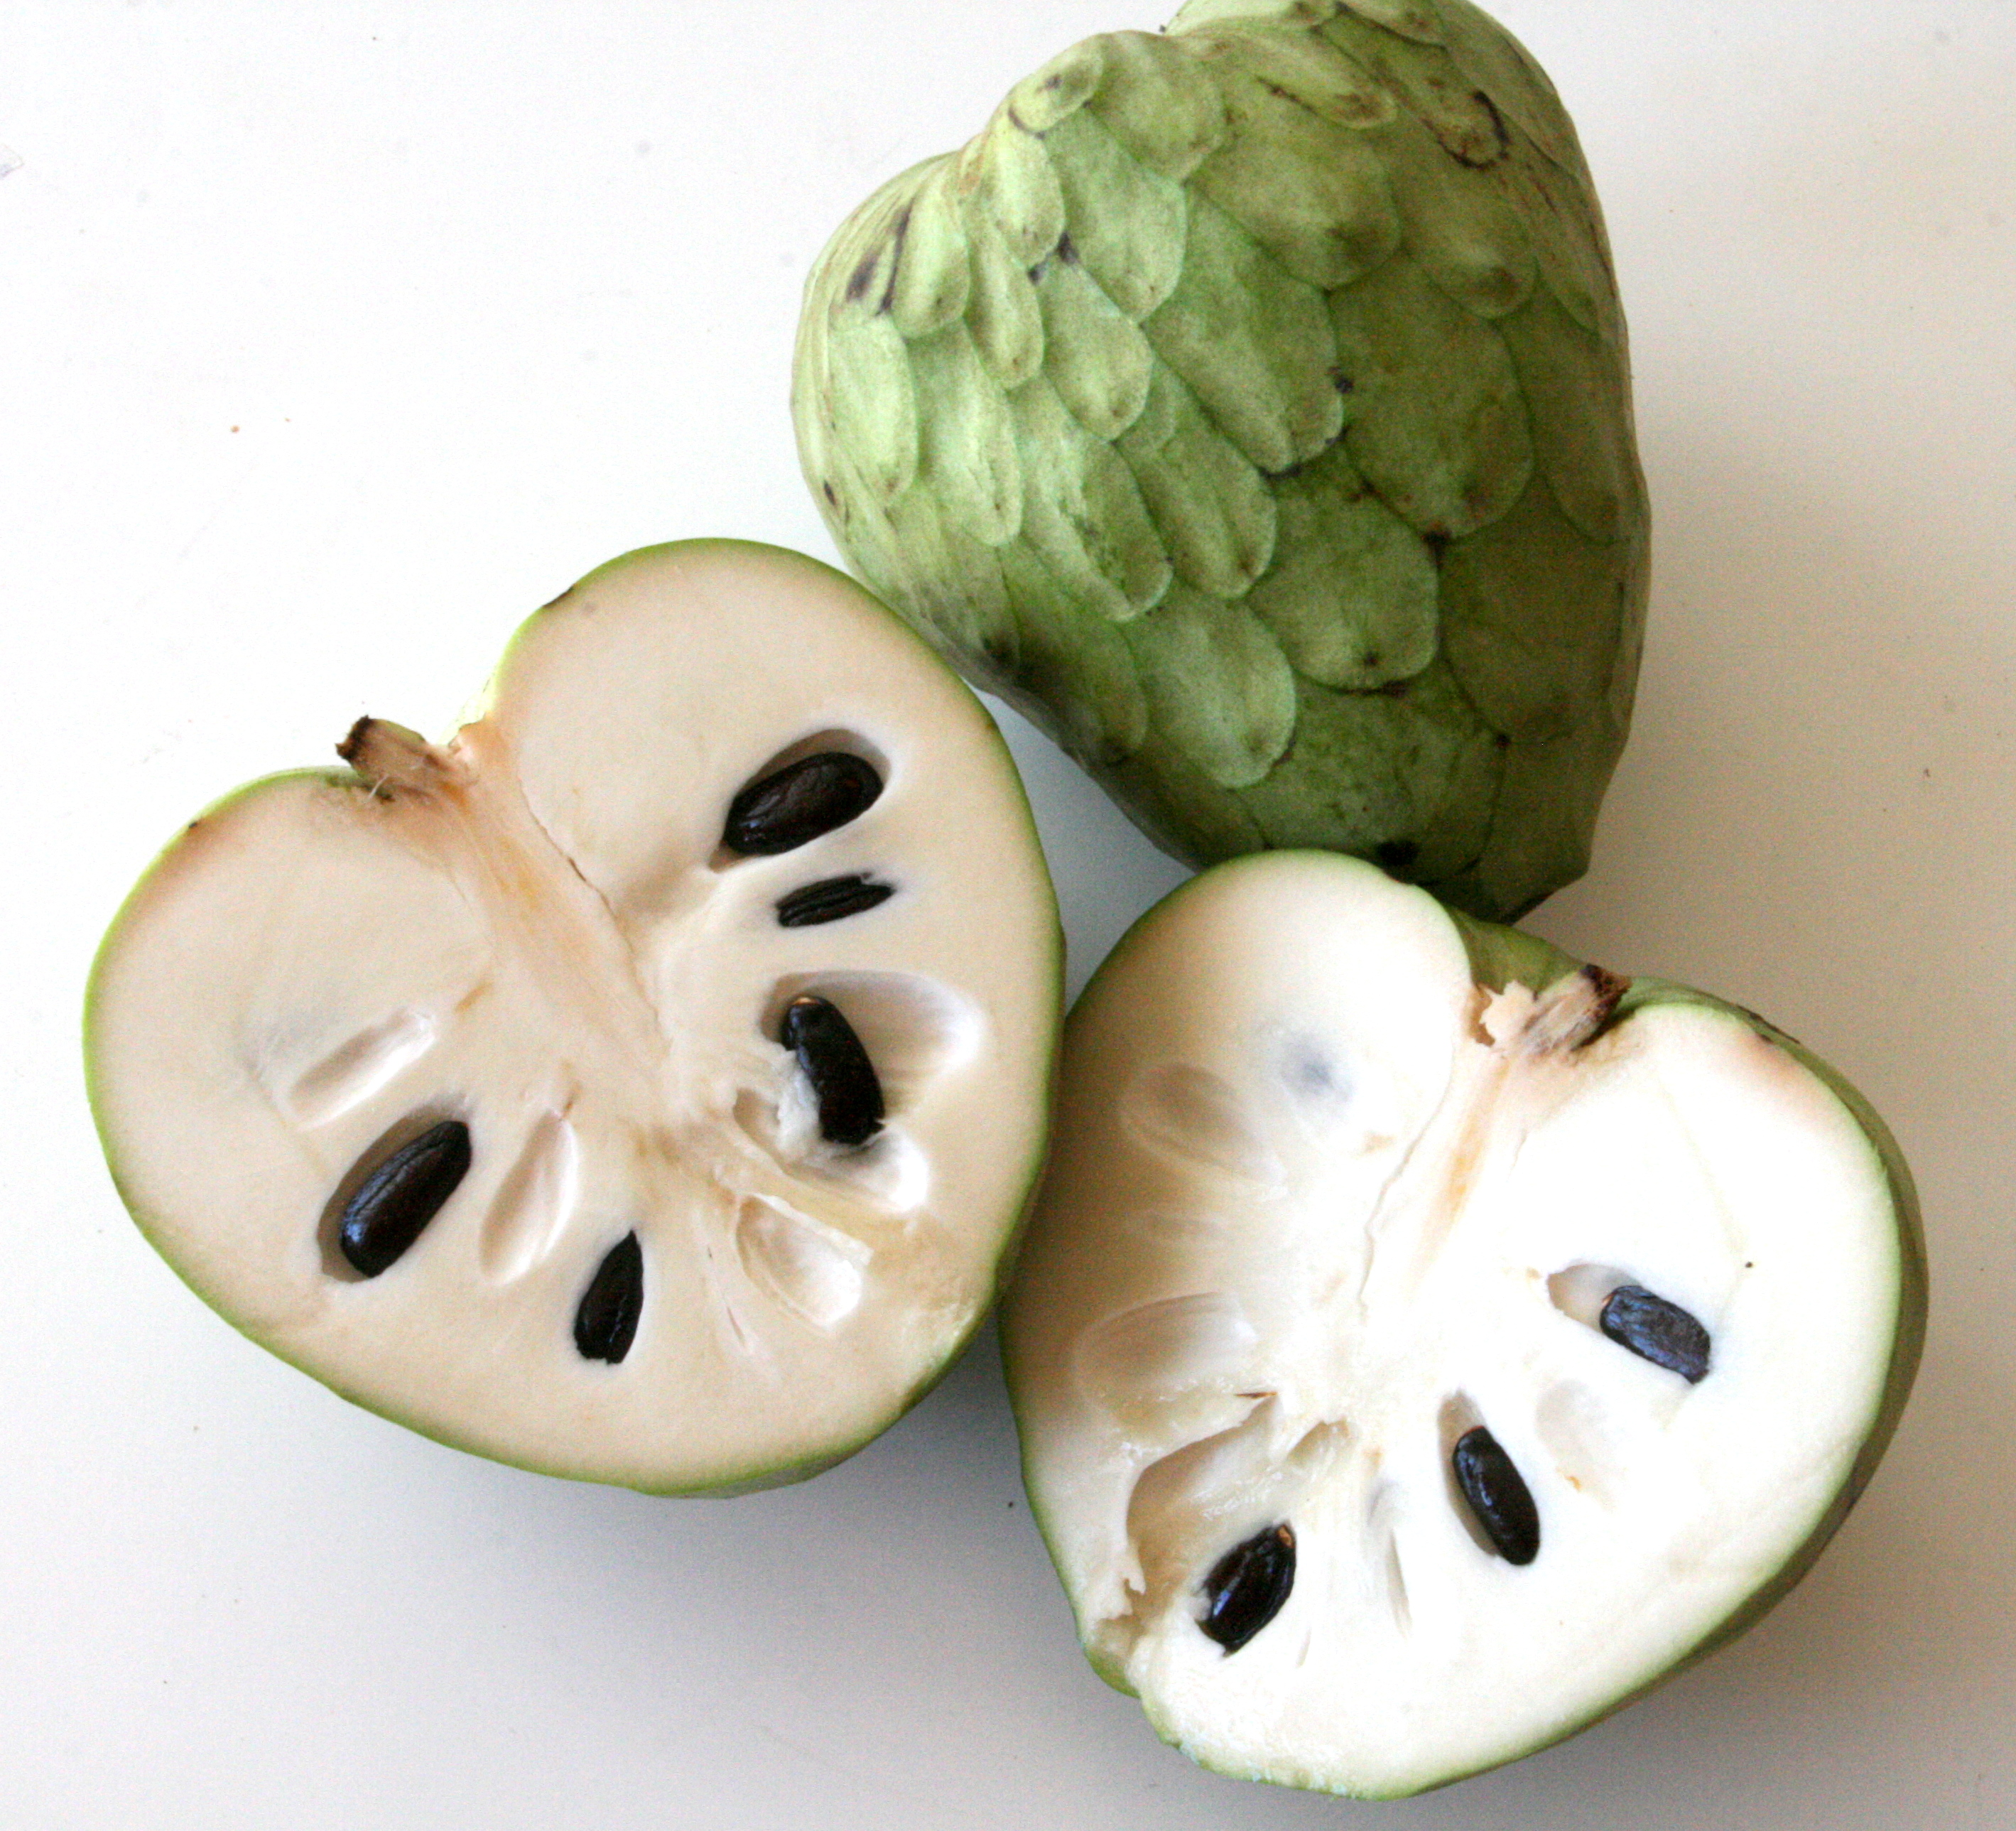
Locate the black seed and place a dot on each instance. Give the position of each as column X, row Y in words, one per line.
column 606, row 1324
column 843, row 1078
column 1497, row 1495
column 1248, row 1586
column 830, row 899
column 401, row 1195
column 796, row 804
column 1656, row 1331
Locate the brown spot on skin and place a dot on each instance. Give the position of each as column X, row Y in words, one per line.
column 887, row 301
column 1767, row 1030
column 858, row 281
column 1501, row 138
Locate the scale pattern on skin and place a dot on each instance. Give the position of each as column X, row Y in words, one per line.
column 1249, row 405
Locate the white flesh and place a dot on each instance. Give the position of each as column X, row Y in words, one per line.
column 1317, row 1205
column 532, row 928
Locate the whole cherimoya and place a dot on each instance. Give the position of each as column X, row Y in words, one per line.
column 1248, row 405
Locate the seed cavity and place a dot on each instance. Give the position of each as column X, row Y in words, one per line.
column 914, row 1028
column 1591, row 1449
column 1385, row 1574
column 1497, row 1495
column 843, row 1079
column 1248, row 1587
column 398, row 1198
column 1175, row 1229
column 793, row 806
column 1657, row 1330
column 812, row 1270
column 1147, row 1359
column 831, row 899
column 533, row 1202
column 1192, row 1116
column 606, row 1323
column 359, row 1067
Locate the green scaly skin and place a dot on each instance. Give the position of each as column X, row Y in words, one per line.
column 1249, row 405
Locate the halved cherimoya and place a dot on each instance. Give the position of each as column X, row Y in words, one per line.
column 1424, row 1343
column 646, row 1083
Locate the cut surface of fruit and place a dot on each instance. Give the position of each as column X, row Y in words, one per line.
column 1424, row 1343
column 645, row 1084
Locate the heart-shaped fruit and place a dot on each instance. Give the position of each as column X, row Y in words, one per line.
column 644, row 1085
column 1425, row 1343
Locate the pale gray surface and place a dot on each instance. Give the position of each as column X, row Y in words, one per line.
column 335, row 337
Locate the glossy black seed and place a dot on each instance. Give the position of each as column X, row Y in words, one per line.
column 1497, row 1495
column 844, row 1079
column 796, row 804
column 398, row 1199
column 1248, row 1586
column 606, row 1324
column 1656, row 1331
column 831, row 899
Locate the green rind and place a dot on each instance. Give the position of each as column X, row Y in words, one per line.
column 1356, row 220
column 1499, row 957
column 757, row 1476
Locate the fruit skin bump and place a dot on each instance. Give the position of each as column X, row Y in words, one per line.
column 1248, row 405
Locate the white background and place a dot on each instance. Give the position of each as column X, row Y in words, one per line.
column 336, row 337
